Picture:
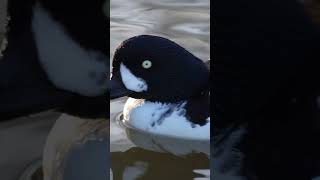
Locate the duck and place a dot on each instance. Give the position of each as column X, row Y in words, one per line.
column 53, row 61
column 53, row 79
column 265, row 91
column 167, row 86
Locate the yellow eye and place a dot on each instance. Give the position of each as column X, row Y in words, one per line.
column 146, row 64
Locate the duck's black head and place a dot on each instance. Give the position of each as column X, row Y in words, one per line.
column 155, row 68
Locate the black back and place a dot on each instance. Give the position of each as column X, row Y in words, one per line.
column 175, row 75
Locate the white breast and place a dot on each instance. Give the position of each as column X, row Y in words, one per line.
column 67, row 64
column 165, row 119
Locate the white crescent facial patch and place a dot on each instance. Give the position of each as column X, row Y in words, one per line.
column 131, row 81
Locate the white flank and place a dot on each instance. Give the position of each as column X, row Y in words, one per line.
column 67, row 64
column 132, row 82
column 144, row 115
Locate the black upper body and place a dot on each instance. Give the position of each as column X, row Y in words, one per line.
column 175, row 75
column 265, row 76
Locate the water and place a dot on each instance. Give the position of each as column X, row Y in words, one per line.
column 136, row 155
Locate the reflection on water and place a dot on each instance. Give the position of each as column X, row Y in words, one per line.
column 187, row 23
column 137, row 162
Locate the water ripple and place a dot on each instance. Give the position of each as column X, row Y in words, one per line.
column 185, row 22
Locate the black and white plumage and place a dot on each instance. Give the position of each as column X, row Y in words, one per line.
column 56, row 59
column 167, row 86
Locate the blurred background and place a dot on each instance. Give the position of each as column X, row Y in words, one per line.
column 50, row 143
column 22, row 140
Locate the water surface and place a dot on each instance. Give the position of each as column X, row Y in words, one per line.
column 187, row 23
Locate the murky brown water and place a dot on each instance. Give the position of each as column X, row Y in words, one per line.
column 136, row 155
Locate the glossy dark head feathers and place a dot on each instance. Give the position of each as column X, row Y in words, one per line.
column 175, row 75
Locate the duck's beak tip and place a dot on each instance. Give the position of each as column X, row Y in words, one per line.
column 117, row 89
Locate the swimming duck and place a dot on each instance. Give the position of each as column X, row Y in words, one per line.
column 167, row 86
column 53, row 60
column 56, row 59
